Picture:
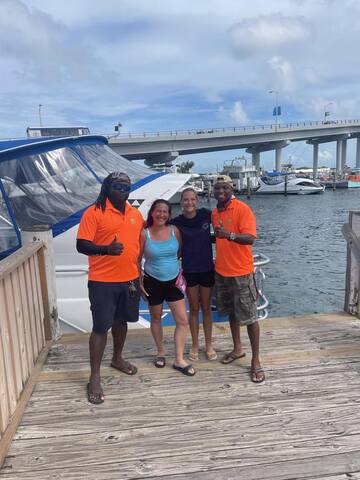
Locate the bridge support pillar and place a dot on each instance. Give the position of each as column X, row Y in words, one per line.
column 256, row 160
column 338, row 156
column 315, row 159
column 343, row 154
column 358, row 152
column 278, row 159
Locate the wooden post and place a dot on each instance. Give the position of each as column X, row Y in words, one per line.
column 248, row 188
column 47, row 277
column 351, row 232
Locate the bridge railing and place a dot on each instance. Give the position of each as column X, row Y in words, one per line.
column 247, row 129
column 24, row 333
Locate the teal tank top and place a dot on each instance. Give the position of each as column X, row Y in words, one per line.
column 161, row 257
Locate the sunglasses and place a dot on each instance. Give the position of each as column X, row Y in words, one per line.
column 121, row 187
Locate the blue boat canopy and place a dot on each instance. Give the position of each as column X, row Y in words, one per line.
column 50, row 182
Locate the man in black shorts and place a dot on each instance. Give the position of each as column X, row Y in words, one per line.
column 109, row 233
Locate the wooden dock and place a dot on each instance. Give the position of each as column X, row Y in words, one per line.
column 302, row 423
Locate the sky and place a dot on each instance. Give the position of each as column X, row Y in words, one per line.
column 159, row 65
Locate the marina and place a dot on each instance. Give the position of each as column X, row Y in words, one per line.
column 172, row 332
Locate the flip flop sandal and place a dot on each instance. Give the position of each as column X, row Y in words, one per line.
column 211, row 356
column 185, row 370
column 193, row 356
column 159, row 362
column 95, row 398
column 230, row 357
column 126, row 367
column 254, row 375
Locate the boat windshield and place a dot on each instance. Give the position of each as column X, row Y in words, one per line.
column 103, row 160
column 50, row 184
column 8, row 236
column 275, row 180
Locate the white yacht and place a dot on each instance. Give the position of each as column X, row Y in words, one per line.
column 285, row 183
column 47, row 183
column 244, row 176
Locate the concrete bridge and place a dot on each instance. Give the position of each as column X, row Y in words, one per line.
column 164, row 147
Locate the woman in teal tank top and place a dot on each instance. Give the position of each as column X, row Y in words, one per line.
column 160, row 247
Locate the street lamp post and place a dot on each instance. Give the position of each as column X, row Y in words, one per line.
column 326, row 113
column 276, row 92
column 40, row 120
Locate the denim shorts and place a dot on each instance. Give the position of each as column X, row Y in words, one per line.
column 236, row 297
column 113, row 303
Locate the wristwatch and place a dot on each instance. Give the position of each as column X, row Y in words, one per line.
column 232, row 236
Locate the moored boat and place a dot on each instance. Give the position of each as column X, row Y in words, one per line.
column 284, row 183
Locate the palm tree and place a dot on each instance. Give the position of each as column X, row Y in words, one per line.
column 185, row 167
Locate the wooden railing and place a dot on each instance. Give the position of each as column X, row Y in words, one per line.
column 351, row 232
column 25, row 335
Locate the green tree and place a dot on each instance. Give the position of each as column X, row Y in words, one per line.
column 185, row 167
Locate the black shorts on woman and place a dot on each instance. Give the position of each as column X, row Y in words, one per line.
column 159, row 291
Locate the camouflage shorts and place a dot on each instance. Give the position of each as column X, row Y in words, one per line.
column 236, row 297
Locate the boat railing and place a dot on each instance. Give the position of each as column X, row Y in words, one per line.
column 25, row 333
column 260, row 260
column 262, row 302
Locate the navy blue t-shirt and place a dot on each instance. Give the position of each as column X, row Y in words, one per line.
column 196, row 241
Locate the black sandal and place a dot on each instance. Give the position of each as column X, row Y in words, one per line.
column 95, row 398
column 159, row 362
column 185, row 370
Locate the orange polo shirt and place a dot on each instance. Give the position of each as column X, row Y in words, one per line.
column 233, row 259
column 100, row 228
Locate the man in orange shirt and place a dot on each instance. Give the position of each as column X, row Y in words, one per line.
column 235, row 231
column 109, row 233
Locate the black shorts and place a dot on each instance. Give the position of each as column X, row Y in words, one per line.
column 203, row 279
column 159, row 291
column 113, row 302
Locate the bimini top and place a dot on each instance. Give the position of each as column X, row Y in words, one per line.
column 50, row 182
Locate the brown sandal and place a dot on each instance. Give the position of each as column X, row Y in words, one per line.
column 95, row 398
column 231, row 357
column 125, row 367
column 159, row 362
column 254, row 375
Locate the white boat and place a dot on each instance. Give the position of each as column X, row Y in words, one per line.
column 284, row 183
column 194, row 182
column 47, row 184
column 244, row 176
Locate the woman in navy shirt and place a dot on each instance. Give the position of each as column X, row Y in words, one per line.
column 198, row 268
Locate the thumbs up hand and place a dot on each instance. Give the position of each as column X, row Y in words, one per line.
column 220, row 231
column 115, row 248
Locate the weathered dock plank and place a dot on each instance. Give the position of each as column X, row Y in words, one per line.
column 302, row 423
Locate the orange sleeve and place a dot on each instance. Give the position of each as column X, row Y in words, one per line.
column 88, row 225
column 214, row 218
column 247, row 220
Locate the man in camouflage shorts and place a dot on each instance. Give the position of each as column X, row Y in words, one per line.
column 235, row 231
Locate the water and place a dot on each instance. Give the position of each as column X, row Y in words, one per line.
column 302, row 236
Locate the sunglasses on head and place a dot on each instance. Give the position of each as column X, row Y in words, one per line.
column 121, row 187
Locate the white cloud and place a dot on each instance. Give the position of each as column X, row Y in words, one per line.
column 238, row 113
column 157, row 65
column 234, row 114
column 326, row 157
column 268, row 33
column 283, row 73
